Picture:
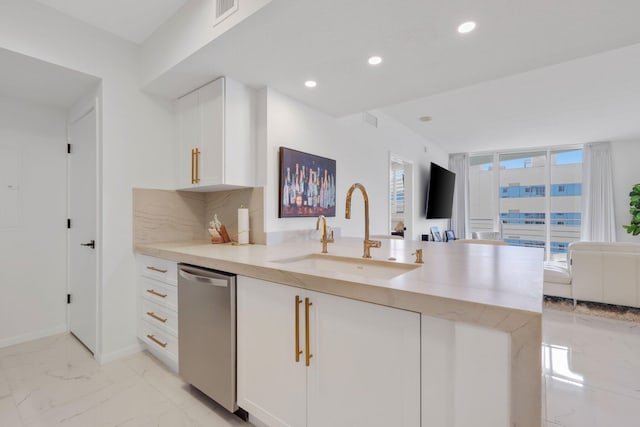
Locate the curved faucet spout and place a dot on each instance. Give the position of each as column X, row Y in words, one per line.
column 368, row 244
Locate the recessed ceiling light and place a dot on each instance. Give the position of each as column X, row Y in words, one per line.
column 310, row 83
column 375, row 60
column 466, row 27
column 425, row 118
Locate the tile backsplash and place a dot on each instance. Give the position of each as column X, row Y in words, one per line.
column 226, row 203
column 168, row 215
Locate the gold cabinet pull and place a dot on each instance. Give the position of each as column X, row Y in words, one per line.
column 157, row 341
column 158, row 294
column 307, row 304
column 159, row 270
column 193, row 178
column 298, row 351
column 155, row 316
column 197, row 155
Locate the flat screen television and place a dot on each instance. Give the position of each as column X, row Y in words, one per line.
column 440, row 192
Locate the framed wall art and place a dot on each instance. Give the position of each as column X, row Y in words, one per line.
column 307, row 185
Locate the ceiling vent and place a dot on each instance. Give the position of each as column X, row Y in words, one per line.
column 225, row 8
column 370, row 119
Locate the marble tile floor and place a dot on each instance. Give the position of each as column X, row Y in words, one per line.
column 591, row 370
column 591, row 379
column 54, row 381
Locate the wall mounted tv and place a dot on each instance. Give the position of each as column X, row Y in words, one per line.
column 440, row 192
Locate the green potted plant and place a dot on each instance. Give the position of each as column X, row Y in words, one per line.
column 634, row 203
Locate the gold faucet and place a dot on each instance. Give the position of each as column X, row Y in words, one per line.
column 368, row 244
column 324, row 238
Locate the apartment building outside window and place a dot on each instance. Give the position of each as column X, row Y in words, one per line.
column 532, row 198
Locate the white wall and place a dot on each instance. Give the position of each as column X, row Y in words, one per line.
column 186, row 32
column 33, row 274
column 625, row 156
column 137, row 143
column 362, row 155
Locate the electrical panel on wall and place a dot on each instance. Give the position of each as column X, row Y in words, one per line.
column 225, row 8
column 9, row 188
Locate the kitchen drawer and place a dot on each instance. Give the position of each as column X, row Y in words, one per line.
column 159, row 269
column 162, row 343
column 165, row 318
column 159, row 292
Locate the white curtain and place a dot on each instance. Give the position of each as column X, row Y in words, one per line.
column 598, row 216
column 459, row 163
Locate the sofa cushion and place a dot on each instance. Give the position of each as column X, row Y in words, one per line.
column 556, row 273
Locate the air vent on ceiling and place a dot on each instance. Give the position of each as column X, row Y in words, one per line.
column 224, row 8
column 370, row 119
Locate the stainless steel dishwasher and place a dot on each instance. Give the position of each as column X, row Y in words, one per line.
column 207, row 333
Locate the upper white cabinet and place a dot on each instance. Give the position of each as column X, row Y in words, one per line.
column 310, row 359
column 216, row 133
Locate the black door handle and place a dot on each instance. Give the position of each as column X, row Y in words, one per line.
column 91, row 244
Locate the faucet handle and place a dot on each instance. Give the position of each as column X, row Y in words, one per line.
column 418, row 254
column 329, row 238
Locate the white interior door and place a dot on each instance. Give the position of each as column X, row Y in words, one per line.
column 83, row 231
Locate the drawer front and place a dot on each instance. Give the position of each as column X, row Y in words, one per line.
column 159, row 292
column 159, row 269
column 159, row 341
column 164, row 318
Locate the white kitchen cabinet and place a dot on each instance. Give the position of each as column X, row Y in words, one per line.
column 364, row 359
column 271, row 383
column 465, row 375
column 158, row 308
column 216, row 134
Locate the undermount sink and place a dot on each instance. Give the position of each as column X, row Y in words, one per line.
column 347, row 265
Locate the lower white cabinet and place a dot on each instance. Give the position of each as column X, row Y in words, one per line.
column 312, row 359
column 158, row 308
column 465, row 375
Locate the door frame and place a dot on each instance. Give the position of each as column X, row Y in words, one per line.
column 91, row 102
column 409, row 197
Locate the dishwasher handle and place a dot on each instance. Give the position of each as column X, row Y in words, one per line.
column 202, row 279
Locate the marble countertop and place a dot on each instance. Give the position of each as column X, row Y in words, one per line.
column 493, row 286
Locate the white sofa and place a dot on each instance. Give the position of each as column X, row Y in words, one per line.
column 598, row 272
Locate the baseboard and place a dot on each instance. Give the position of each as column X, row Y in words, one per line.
column 19, row 339
column 119, row 354
column 256, row 422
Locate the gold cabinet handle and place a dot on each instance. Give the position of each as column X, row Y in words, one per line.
column 307, row 304
column 298, row 351
column 158, row 294
column 155, row 316
column 157, row 341
column 159, row 270
column 193, row 178
column 197, row 155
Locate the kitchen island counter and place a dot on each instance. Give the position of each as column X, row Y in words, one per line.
column 495, row 287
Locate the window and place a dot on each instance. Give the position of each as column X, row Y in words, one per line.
column 531, row 198
column 565, row 178
column 528, row 169
column 397, row 189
